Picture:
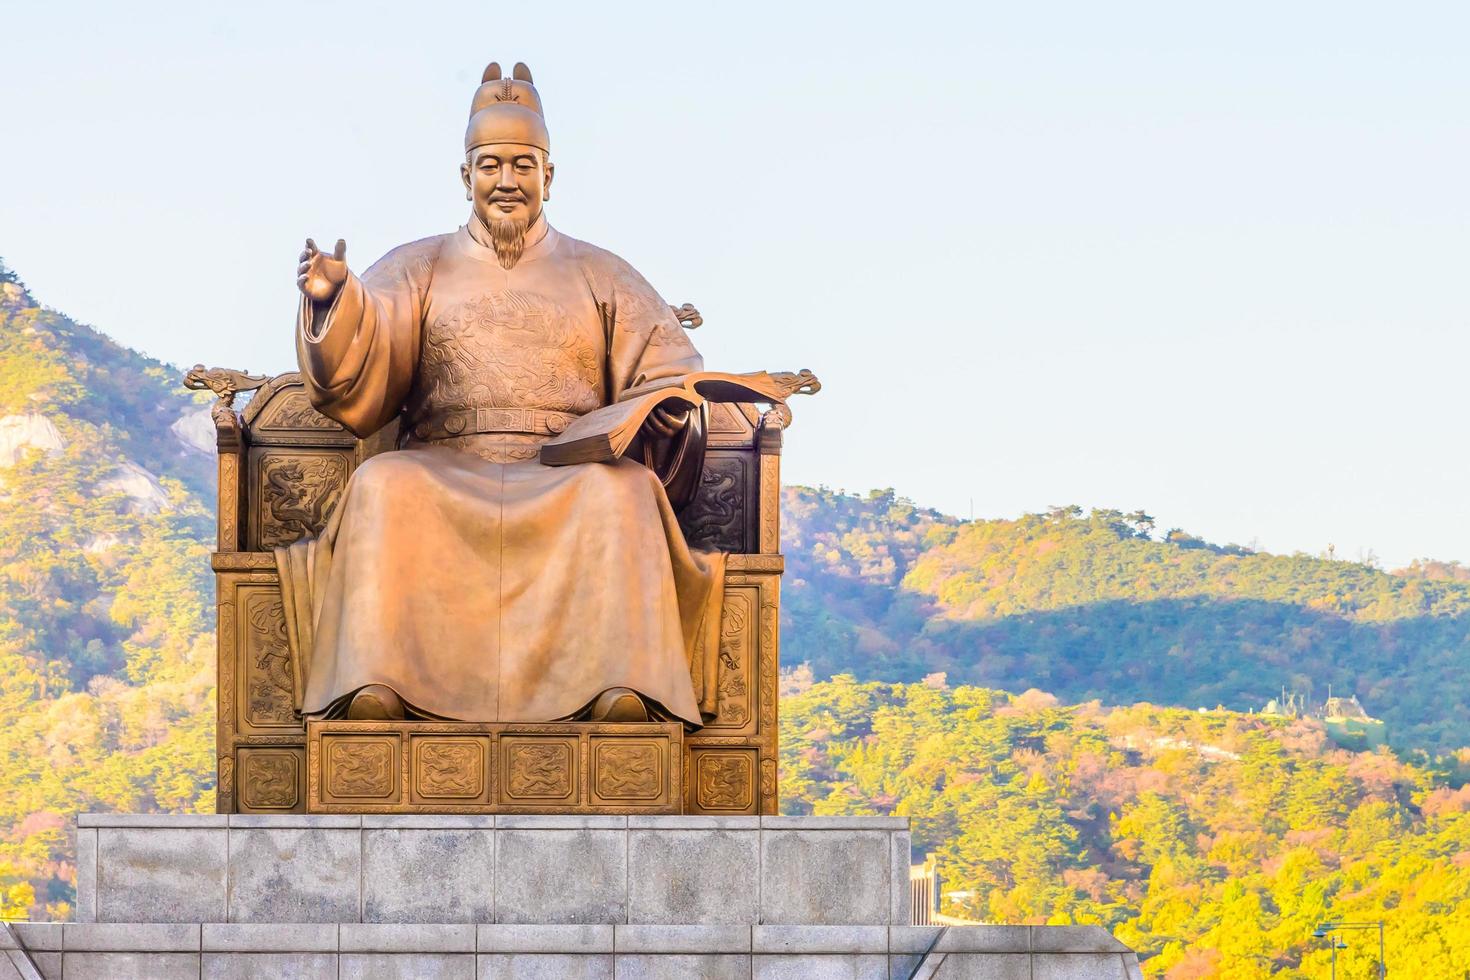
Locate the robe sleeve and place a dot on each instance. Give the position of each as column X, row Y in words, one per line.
column 359, row 365
column 645, row 341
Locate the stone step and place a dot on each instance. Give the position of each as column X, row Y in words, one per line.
column 160, row 951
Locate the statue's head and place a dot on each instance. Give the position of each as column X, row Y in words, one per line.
column 507, row 168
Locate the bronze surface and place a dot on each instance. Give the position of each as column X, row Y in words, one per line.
column 383, row 520
column 469, row 767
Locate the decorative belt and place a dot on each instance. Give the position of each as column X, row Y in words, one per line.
column 478, row 421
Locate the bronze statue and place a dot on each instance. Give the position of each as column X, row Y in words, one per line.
column 459, row 578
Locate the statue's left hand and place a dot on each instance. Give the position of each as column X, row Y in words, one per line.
column 665, row 422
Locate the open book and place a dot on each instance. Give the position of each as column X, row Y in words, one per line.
column 604, row 434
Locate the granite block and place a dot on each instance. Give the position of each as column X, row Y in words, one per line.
column 900, row 899
column 913, row 939
column 12, row 965
column 545, row 966
column 47, row 965
column 681, row 939
column 683, row 966
column 428, row 821
column 168, row 874
column 407, row 966
column 560, row 821
column 296, row 821
column 130, row 966
column 984, row 966
column 986, row 939
column 424, row 875
column 561, row 876
column 704, row 876
column 357, row 937
column 824, row 878
column 309, row 874
column 692, row 821
column 819, row 967
column 269, row 937
column 819, row 939
column 1073, row 966
column 545, row 938
column 1074, row 939
column 38, row 935
column 86, row 907
column 902, row 966
column 269, row 966
column 835, row 823
column 125, row 937
column 178, row 821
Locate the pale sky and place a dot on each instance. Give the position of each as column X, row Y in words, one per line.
column 1207, row 260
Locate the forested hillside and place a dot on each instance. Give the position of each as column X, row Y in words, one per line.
column 1103, row 605
column 106, row 672
column 1213, row 843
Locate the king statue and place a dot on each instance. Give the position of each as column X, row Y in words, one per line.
column 458, row 577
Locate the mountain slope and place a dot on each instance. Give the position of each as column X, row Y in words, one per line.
column 106, row 673
column 1211, row 843
column 1091, row 606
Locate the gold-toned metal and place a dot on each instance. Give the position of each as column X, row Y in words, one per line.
column 403, row 460
column 504, row 767
column 272, row 780
column 724, row 780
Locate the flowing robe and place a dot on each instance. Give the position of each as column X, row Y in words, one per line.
column 459, row 571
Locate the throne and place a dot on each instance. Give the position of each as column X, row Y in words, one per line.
column 282, row 468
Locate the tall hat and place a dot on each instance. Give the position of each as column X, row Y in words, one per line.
column 506, row 110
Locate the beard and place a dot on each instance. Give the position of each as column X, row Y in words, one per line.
column 508, row 236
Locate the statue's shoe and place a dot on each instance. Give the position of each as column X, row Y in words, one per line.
column 376, row 702
column 618, row 704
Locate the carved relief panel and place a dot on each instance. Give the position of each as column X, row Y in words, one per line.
column 293, row 492
column 723, row 780
column 493, row 767
column 732, row 424
column 262, row 663
column 360, row 768
column 738, row 657
column 629, row 770
column 449, row 769
column 538, row 770
column 280, row 413
column 271, row 780
column 721, row 515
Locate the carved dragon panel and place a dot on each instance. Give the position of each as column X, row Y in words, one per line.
column 361, row 768
column 294, row 493
column 717, row 519
column 628, row 770
column 739, row 641
column 270, row 779
column 724, row 780
column 266, row 701
column 538, row 770
column 448, row 768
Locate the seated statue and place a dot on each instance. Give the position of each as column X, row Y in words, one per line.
column 459, row 578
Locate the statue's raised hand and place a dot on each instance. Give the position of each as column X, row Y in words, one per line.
column 320, row 276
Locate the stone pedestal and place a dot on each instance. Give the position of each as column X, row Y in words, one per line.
column 518, row 896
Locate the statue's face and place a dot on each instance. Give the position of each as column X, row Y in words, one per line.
column 507, row 182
